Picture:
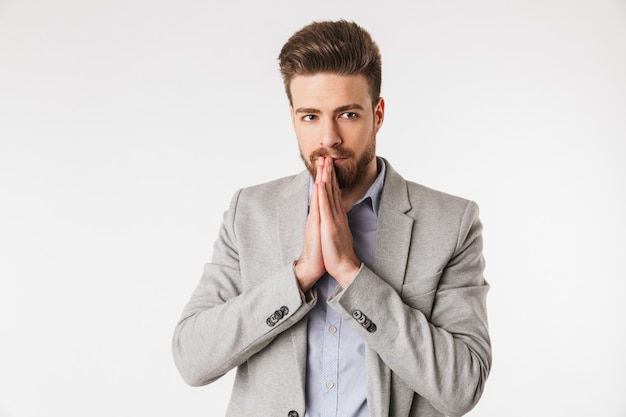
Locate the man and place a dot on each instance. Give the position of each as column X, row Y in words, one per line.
column 345, row 290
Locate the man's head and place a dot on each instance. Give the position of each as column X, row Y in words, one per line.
column 340, row 47
column 332, row 75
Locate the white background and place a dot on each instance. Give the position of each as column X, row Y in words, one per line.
column 126, row 126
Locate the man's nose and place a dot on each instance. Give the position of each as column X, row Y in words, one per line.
column 330, row 134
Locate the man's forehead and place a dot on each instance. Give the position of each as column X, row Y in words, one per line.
column 329, row 90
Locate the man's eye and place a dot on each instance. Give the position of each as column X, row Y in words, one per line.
column 309, row 117
column 349, row 115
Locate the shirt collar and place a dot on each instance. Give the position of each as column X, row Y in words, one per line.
column 373, row 193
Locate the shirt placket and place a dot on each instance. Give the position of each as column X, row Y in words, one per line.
column 330, row 361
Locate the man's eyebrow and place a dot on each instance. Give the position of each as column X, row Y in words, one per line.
column 308, row 110
column 311, row 110
column 353, row 106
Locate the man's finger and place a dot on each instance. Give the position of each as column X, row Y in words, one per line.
column 335, row 198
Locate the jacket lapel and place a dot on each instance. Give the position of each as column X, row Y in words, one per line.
column 291, row 215
column 393, row 236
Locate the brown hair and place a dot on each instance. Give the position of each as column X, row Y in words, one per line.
column 339, row 47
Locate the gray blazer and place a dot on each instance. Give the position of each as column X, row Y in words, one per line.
column 421, row 308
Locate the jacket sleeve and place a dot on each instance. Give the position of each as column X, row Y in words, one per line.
column 445, row 354
column 224, row 324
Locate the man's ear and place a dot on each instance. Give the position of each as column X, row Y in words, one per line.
column 379, row 113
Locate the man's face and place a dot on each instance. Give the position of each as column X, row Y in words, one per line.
column 333, row 116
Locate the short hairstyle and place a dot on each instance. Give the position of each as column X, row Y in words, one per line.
column 339, row 47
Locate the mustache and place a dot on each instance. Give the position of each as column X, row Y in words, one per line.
column 336, row 153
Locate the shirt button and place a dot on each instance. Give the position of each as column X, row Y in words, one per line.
column 332, row 329
column 330, row 384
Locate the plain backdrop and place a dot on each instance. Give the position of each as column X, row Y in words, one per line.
column 127, row 125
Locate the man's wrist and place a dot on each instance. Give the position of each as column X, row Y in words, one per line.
column 304, row 284
column 348, row 274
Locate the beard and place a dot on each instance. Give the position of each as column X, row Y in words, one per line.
column 351, row 172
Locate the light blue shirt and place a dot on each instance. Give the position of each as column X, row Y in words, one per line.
column 335, row 374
